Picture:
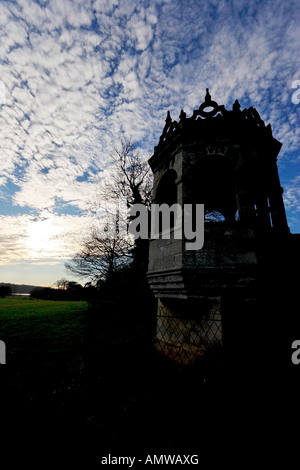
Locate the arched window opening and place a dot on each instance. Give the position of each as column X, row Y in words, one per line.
column 166, row 192
column 213, row 186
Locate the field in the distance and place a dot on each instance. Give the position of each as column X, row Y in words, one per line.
column 13, row 305
column 37, row 331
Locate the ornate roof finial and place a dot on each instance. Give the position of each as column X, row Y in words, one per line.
column 208, row 103
column 182, row 115
column 236, row 106
column 168, row 118
column 167, row 127
column 207, row 96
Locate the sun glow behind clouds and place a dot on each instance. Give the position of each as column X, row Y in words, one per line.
column 42, row 240
column 53, row 237
column 78, row 73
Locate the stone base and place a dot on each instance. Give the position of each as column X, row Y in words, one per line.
column 181, row 353
column 189, row 329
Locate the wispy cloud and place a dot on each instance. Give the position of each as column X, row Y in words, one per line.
column 291, row 197
column 32, row 238
column 78, row 73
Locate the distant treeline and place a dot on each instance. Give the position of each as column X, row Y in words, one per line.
column 67, row 290
column 18, row 288
column 73, row 291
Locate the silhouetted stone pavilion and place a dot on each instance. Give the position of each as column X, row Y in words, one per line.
column 221, row 297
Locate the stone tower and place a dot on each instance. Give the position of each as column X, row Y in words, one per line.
column 226, row 160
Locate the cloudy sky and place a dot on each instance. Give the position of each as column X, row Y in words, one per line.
column 75, row 74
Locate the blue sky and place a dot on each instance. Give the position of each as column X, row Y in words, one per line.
column 77, row 74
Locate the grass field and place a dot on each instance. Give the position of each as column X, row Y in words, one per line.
column 12, row 305
column 40, row 330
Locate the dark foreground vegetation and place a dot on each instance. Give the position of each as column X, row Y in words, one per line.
column 81, row 383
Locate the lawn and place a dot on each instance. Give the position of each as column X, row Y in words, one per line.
column 41, row 330
column 12, row 305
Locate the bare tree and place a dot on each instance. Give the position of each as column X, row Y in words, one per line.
column 100, row 257
column 102, row 254
column 61, row 284
column 131, row 177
